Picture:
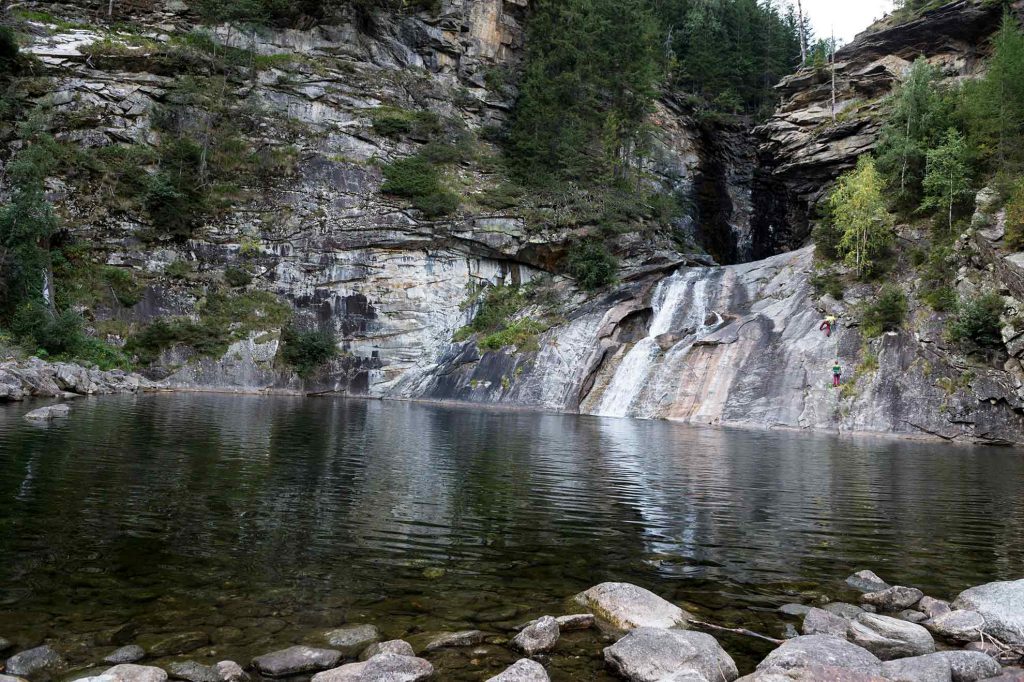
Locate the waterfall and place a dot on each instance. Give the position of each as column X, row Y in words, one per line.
column 680, row 304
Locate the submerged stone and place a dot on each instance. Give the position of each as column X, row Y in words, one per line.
column 33, row 662
column 126, row 654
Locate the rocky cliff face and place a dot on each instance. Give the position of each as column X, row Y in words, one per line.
column 679, row 338
column 802, row 150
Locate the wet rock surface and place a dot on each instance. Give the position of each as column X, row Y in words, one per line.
column 894, row 599
column 890, row 638
column 821, row 650
column 351, row 640
column 42, row 660
column 538, row 637
column 296, row 660
column 821, row 622
column 626, row 607
column 381, row 668
column 651, row 654
column 130, row 653
column 523, row 670
column 957, row 626
column 1001, row 604
column 398, row 647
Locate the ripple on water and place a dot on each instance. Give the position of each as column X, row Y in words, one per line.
column 254, row 517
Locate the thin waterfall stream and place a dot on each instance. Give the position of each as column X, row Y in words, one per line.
column 681, row 306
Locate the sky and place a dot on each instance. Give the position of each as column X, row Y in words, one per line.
column 849, row 17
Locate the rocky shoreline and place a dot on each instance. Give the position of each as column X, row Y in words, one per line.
column 895, row 634
column 36, row 378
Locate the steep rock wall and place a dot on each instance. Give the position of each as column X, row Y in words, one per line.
column 802, row 149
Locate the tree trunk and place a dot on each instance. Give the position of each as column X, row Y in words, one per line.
column 803, row 32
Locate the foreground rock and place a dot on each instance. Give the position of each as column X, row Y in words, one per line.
column 538, row 637
column 958, row 626
column 625, row 606
column 380, row 668
column 821, row 622
column 48, row 413
column 657, row 654
column 295, row 661
column 890, row 638
column 34, row 662
column 866, row 582
column 809, row 651
column 399, row 647
column 523, row 670
column 895, row 598
column 11, row 678
column 352, row 639
column 970, row 666
column 929, row 668
column 126, row 654
column 129, row 672
column 229, row 671
column 1002, row 606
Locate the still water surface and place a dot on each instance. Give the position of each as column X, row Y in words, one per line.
column 261, row 521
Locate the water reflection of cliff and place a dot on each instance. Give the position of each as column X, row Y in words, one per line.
column 310, row 495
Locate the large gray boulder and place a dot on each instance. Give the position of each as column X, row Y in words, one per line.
column 821, row 622
column 895, row 598
column 40, row 661
column 296, row 660
column 538, row 637
column 889, row 638
column 626, row 607
column 399, row 647
column 129, row 672
column 970, row 666
column 957, row 626
column 866, row 581
column 927, row 668
column 380, row 668
column 658, row 654
column 814, row 673
column 819, row 650
column 1002, row 605
column 523, row 670
column 352, row 639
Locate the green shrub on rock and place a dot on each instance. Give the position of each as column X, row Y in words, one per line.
column 308, row 350
column 886, row 313
column 418, row 180
column 592, row 265
column 977, row 326
column 237, row 277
